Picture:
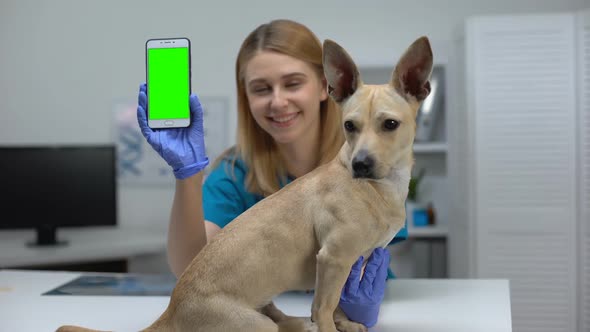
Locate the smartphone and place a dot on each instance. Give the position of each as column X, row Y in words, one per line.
column 168, row 77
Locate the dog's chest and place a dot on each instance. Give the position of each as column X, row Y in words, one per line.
column 394, row 215
column 392, row 220
column 388, row 236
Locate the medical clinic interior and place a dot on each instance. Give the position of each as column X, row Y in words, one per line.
column 495, row 236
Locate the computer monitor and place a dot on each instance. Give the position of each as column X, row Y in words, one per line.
column 46, row 187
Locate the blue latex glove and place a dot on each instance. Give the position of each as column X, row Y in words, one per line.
column 182, row 148
column 361, row 298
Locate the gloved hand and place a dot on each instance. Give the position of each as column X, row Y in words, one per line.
column 361, row 298
column 182, row 148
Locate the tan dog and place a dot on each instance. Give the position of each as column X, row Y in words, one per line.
column 309, row 234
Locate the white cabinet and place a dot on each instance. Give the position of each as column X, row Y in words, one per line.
column 583, row 70
column 519, row 161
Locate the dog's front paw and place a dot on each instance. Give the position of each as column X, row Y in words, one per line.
column 303, row 324
column 349, row 326
column 310, row 326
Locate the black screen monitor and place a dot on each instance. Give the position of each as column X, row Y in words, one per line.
column 46, row 187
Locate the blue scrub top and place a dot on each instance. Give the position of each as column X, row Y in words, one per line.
column 225, row 196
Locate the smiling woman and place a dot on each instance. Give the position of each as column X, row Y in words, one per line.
column 287, row 125
column 284, row 94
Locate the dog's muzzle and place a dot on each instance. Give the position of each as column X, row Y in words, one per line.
column 363, row 165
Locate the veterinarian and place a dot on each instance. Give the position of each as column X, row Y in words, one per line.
column 287, row 126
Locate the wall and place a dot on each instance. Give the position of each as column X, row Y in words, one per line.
column 63, row 64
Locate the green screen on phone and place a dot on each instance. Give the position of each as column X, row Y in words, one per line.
column 168, row 83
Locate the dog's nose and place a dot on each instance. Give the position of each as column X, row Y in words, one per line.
column 363, row 165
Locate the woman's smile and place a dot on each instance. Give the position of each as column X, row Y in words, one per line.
column 284, row 120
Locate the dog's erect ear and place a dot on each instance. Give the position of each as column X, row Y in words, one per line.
column 411, row 74
column 340, row 71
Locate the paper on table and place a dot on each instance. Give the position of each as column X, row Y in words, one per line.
column 114, row 284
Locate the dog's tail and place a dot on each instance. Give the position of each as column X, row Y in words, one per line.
column 157, row 326
column 160, row 325
column 71, row 328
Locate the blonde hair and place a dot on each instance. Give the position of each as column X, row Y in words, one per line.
column 266, row 172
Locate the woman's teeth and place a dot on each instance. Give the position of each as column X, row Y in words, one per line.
column 282, row 119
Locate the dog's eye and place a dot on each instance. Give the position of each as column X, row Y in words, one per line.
column 390, row 124
column 349, row 126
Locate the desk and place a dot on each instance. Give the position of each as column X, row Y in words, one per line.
column 416, row 305
column 85, row 244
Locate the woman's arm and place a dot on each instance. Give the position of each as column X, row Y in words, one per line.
column 188, row 232
column 184, row 150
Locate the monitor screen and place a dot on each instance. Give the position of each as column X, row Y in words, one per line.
column 54, row 186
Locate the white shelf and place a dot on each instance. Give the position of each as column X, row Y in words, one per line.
column 430, row 147
column 437, row 231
